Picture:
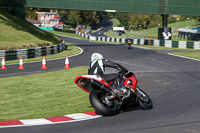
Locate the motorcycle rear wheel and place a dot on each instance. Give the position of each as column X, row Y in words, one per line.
column 97, row 98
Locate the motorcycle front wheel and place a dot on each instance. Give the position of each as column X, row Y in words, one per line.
column 144, row 101
column 102, row 104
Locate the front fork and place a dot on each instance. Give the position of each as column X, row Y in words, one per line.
column 139, row 93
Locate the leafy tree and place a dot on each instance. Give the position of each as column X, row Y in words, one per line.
column 31, row 13
column 1, row 2
column 88, row 18
column 64, row 16
column 19, row 3
column 138, row 21
column 74, row 17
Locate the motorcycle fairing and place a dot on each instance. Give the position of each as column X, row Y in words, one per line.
column 131, row 82
column 84, row 82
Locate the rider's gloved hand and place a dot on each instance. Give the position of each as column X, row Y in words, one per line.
column 126, row 71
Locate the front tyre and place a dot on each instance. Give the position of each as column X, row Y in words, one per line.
column 144, row 101
column 102, row 104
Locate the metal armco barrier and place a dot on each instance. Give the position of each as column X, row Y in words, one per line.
column 48, row 50
column 33, row 52
column 148, row 41
column 11, row 55
column 38, row 52
column 2, row 53
column 23, row 53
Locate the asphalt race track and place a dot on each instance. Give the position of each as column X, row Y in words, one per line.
column 172, row 82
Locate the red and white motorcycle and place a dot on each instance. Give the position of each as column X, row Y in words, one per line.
column 109, row 102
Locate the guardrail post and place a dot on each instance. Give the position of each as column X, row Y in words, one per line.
column 38, row 52
column 58, row 47
column 175, row 44
column 196, row 45
column 190, row 45
column 138, row 41
column 43, row 50
column 11, row 55
column 31, row 53
column 113, row 39
column 123, row 40
column 141, row 42
column 22, row 52
column 182, row 44
column 162, row 43
column 48, row 50
column 157, row 43
column 55, row 49
column 2, row 53
column 108, row 39
column 168, row 43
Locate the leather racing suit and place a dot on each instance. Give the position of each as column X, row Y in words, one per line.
column 98, row 67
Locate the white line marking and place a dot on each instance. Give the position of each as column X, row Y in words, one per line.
column 134, row 64
column 166, row 83
column 13, row 74
column 162, row 62
column 183, row 57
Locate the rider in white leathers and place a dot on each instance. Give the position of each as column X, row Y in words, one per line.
column 97, row 67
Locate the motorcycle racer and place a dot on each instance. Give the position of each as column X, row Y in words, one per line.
column 97, row 67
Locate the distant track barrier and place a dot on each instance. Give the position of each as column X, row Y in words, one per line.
column 33, row 52
column 147, row 41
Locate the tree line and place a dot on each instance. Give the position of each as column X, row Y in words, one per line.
column 131, row 21
column 71, row 18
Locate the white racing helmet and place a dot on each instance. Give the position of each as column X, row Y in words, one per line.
column 96, row 56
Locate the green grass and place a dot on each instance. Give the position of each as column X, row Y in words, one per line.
column 160, row 47
column 43, row 95
column 116, row 22
column 16, row 34
column 191, row 53
column 195, row 55
column 109, row 33
column 165, row 48
column 67, row 34
column 71, row 50
column 153, row 32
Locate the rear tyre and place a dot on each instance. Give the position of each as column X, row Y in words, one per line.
column 144, row 101
column 106, row 107
column 129, row 46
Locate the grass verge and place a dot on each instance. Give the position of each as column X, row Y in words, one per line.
column 153, row 32
column 42, row 95
column 71, row 50
column 160, row 47
column 17, row 34
column 67, row 34
column 191, row 53
column 195, row 55
column 116, row 22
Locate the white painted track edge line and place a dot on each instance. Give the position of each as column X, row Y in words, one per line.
column 183, row 57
